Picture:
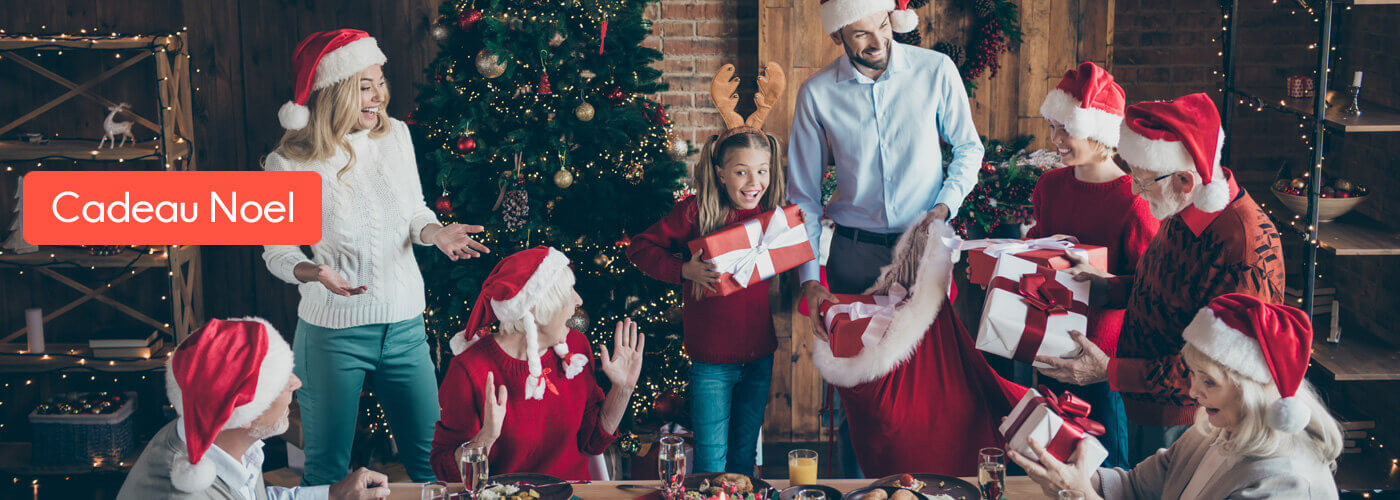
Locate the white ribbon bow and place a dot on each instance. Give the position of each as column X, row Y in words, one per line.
column 742, row 263
column 995, row 248
column 881, row 313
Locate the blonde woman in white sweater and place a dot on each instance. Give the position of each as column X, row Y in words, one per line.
column 362, row 294
column 1262, row 431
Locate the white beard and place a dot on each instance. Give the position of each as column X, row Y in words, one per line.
column 264, row 432
column 1164, row 203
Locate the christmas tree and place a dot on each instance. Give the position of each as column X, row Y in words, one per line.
column 535, row 124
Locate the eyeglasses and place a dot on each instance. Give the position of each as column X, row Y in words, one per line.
column 1141, row 187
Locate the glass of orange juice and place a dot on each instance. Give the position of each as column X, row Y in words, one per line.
column 802, row 467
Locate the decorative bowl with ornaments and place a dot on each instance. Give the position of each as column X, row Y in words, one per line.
column 1338, row 197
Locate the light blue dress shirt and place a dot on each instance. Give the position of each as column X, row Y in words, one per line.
column 884, row 135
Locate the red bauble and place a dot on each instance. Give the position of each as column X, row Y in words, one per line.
column 443, row 205
column 408, row 120
column 668, row 407
column 624, row 242
column 616, row 96
column 545, row 89
column 468, row 19
column 660, row 118
column 466, row 144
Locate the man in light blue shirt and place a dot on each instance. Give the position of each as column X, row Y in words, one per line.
column 879, row 112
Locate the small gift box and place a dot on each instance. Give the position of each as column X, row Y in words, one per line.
column 856, row 321
column 1057, row 423
column 756, row 249
column 1300, row 87
column 1048, row 252
column 1030, row 311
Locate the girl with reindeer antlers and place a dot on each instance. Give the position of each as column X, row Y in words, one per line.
column 730, row 338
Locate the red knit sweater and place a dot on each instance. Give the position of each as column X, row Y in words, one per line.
column 1105, row 214
column 546, row 436
column 734, row 328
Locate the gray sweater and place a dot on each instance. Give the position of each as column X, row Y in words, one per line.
column 1166, row 474
column 150, row 477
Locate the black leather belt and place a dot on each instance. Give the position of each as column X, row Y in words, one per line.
column 882, row 239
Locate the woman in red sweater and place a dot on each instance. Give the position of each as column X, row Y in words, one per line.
column 1093, row 201
column 534, row 411
column 729, row 338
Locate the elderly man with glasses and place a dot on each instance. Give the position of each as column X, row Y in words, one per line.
column 1214, row 240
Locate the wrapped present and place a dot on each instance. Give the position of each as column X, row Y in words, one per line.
column 1057, row 423
column 856, row 321
column 756, row 249
column 1048, row 252
column 1030, row 311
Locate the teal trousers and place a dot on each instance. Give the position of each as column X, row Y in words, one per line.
column 332, row 365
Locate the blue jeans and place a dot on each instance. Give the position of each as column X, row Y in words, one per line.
column 727, row 403
column 1106, row 407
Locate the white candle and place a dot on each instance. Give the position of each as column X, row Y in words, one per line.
column 1356, row 79
column 34, row 326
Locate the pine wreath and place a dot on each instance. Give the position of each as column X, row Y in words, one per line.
column 997, row 29
column 984, row 8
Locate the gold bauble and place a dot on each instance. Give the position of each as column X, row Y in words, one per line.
column 563, row 178
column 1300, row 183
column 557, row 39
column 677, row 147
column 440, row 32
column 1342, row 185
column 579, row 321
column 584, row 112
column 489, row 64
column 602, row 259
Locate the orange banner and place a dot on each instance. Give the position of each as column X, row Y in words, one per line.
column 172, row 208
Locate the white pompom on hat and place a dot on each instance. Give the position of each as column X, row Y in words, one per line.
column 321, row 60
column 1269, row 343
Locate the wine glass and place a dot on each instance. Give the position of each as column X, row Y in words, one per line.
column 991, row 472
column 670, row 463
column 434, row 490
column 473, row 467
column 811, row 494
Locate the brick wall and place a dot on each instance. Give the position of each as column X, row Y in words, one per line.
column 697, row 37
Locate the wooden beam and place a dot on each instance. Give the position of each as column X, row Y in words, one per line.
column 100, row 297
column 75, row 303
column 76, row 90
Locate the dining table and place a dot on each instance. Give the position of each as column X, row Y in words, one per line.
column 1017, row 487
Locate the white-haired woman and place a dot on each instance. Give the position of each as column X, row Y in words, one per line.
column 533, row 410
column 1262, row 431
column 361, row 292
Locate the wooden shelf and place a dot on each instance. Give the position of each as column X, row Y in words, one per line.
column 96, row 42
column 1359, row 356
column 69, row 357
column 60, row 256
column 15, row 460
column 1374, row 117
column 84, row 149
column 1369, row 2
column 1350, row 234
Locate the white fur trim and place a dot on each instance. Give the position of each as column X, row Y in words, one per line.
column 188, row 477
column 273, row 374
column 347, row 61
column 534, row 385
column 1161, row 157
column 459, row 342
column 904, row 21
column 554, row 265
column 1227, row 346
column 1081, row 122
column 836, row 14
column 573, row 363
column 911, row 321
column 1287, row 415
column 293, row 116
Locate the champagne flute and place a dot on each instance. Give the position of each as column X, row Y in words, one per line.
column 991, row 472
column 434, row 490
column 473, row 467
column 670, row 463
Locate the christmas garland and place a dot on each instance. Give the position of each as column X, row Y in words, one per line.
column 1004, row 185
column 998, row 29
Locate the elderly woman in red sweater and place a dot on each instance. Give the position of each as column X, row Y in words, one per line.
column 1093, row 201
column 533, row 410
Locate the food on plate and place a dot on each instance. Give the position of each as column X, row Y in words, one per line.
column 908, row 481
column 941, row 497
column 507, row 492
column 733, row 486
column 875, row 494
column 903, row 494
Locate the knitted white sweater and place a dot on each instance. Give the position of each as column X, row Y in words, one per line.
column 370, row 218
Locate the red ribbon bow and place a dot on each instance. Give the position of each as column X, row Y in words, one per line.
column 1073, row 410
column 549, row 384
column 1045, row 298
column 1044, row 293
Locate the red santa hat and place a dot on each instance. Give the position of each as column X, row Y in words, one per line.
column 1268, row 343
column 1088, row 102
column 515, row 286
column 321, row 60
column 836, row 14
column 223, row 376
column 1178, row 136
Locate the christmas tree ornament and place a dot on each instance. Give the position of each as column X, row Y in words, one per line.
column 984, row 8
column 660, row 117
column 563, row 178
column 1342, row 185
column 545, row 89
column 579, row 321
column 466, row 144
column 616, row 96
column 602, row 35
column 677, row 147
column 440, row 32
column 584, row 112
column 409, row 120
column 489, row 64
column 513, row 203
column 557, row 38
column 1300, row 183
column 623, row 242
column 443, row 205
column 602, row 259
column 588, row 75
column 468, row 19
column 669, row 407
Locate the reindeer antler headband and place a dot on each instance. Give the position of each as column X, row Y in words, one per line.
column 771, row 83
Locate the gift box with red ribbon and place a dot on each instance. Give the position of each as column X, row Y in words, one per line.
column 756, row 249
column 1030, row 310
column 856, row 321
column 1058, row 423
column 1049, row 252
